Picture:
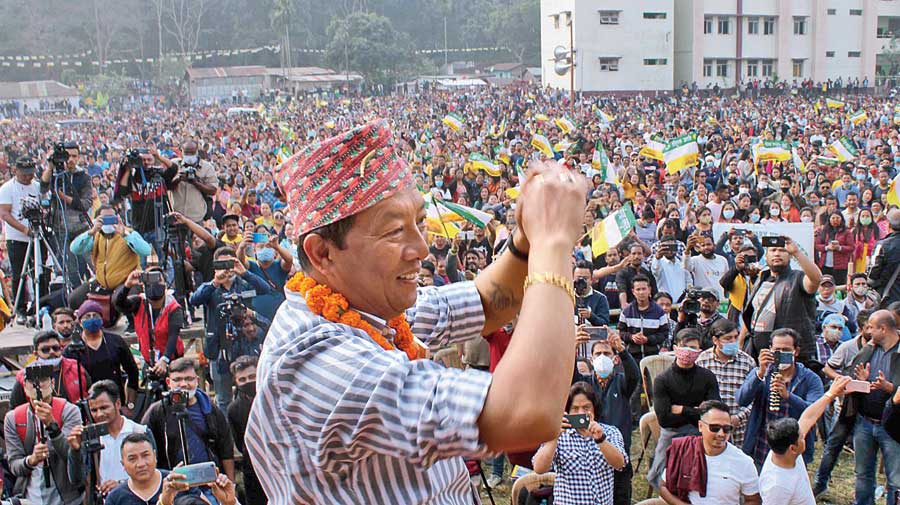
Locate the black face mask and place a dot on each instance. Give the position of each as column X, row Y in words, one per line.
column 156, row 291
column 248, row 389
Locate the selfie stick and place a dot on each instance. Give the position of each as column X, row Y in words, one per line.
column 41, row 432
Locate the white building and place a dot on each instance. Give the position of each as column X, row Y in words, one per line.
column 720, row 42
column 619, row 44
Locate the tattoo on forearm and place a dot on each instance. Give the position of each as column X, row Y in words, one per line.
column 501, row 298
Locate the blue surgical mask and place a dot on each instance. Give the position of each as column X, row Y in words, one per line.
column 439, row 183
column 92, row 325
column 190, row 159
column 754, row 218
column 730, row 348
column 728, row 213
column 265, row 254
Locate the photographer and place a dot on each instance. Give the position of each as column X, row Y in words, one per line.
column 66, row 381
column 218, row 297
column 207, row 431
column 104, row 355
column 699, row 310
column 739, row 280
column 145, row 182
column 591, row 306
column 196, row 184
column 273, row 263
column 71, row 197
column 105, row 404
column 115, row 252
column 670, row 273
column 13, row 194
column 154, row 312
column 244, row 372
column 35, row 435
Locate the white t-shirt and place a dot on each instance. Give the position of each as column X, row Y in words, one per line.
column 782, row 486
column 728, row 476
column 12, row 192
column 707, row 272
column 111, row 456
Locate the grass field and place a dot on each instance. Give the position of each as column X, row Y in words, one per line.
column 840, row 490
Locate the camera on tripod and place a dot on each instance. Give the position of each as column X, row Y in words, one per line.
column 233, row 306
column 188, row 173
column 35, row 211
column 90, row 436
column 691, row 303
column 59, row 157
column 176, row 398
column 133, row 157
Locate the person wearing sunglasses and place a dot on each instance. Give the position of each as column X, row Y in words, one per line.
column 48, row 351
column 707, row 468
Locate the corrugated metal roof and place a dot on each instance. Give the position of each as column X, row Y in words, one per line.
column 220, row 72
column 35, row 89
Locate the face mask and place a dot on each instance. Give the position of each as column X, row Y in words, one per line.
column 754, row 218
column 865, row 221
column 108, row 229
column 686, row 355
column 54, row 362
column 831, row 334
column 860, row 291
column 603, row 366
column 728, row 213
column 191, row 393
column 705, row 219
column 744, row 191
column 92, row 325
column 265, row 255
column 156, row 291
column 785, row 206
column 730, row 348
column 248, row 389
column 805, row 219
column 860, row 177
column 439, row 183
column 775, row 211
column 190, row 159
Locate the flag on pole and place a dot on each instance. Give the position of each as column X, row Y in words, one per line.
column 565, row 124
column 541, row 143
column 482, row 162
column 828, row 162
column 611, row 230
column 282, row 154
column 541, row 117
column 816, row 107
column 604, row 117
column 893, row 198
column 844, row 149
column 829, row 120
column 858, row 117
column 653, row 149
column 681, row 152
column 797, row 160
column 775, row 150
column 454, row 121
column 500, row 131
column 600, row 161
column 503, row 155
column 450, row 212
column 834, row 104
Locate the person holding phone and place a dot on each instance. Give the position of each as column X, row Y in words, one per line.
column 272, row 262
column 586, row 454
column 835, row 247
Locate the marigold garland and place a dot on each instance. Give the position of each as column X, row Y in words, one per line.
column 335, row 307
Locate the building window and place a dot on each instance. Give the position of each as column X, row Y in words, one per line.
column 831, row 12
column 555, row 21
column 707, row 68
column 752, row 68
column 708, row 24
column 609, row 17
column 724, row 25
column 829, row 54
column 655, row 61
column 609, row 64
column 856, row 12
column 767, row 68
column 799, row 26
column 721, row 68
column 768, row 26
column 797, row 69
column 753, row 26
column 853, row 54
column 654, row 15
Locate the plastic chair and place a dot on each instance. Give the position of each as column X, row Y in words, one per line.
column 649, row 426
column 449, row 358
column 530, row 482
column 651, row 366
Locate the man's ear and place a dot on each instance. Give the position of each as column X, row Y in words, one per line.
column 318, row 250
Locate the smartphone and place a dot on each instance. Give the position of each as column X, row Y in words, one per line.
column 597, row 332
column 260, row 238
column 773, row 241
column 223, row 264
column 470, row 235
column 578, row 421
column 108, row 220
column 198, row 474
column 856, row 386
column 152, row 277
column 95, row 431
column 784, row 358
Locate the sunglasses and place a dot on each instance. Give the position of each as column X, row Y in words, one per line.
column 715, row 428
column 49, row 349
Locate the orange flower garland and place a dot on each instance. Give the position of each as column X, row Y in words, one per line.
column 335, row 308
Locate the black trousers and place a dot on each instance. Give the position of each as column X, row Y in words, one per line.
column 622, row 485
column 17, row 251
column 253, row 490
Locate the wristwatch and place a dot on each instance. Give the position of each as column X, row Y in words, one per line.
column 130, row 405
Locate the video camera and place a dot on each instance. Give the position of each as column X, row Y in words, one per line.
column 35, row 211
column 691, row 303
column 233, row 307
column 176, row 398
column 90, row 436
column 59, row 157
column 581, row 286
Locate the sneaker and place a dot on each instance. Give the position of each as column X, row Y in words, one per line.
column 20, row 319
column 819, row 490
column 494, row 481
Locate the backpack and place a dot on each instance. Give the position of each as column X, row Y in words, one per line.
column 20, row 416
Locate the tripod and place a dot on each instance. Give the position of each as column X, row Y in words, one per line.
column 91, row 446
column 181, row 416
column 153, row 386
column 34, row 252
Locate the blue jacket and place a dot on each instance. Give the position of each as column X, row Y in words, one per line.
column 615, row 407
column 806, row 387
column 599, row 305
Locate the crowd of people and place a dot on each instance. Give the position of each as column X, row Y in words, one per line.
column 162, row 218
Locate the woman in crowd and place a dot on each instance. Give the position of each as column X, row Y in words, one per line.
column 834, row 248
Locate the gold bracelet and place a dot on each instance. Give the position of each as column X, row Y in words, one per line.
column 552, row 279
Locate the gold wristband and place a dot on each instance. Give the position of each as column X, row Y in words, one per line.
column 552, row 279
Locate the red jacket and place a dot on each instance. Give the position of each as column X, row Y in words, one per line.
column 160, row 330
column 68, row 380
column 686, row 467
column 843, row 256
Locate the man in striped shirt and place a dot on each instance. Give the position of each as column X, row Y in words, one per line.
column 337, row 419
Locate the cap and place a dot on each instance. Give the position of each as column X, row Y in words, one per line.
column 828, row 279
column 709, row 293
column 89, row 306
column 235, row 217
column 25, row 165
column 342, row 176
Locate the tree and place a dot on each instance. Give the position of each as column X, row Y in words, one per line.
column 367, row 43
column 183, row 21
column 516, row 25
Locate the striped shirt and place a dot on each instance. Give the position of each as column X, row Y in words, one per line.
column 730, row 376
column 339, row 420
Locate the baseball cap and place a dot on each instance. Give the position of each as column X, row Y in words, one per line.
column 828, row 279
column 709, row 293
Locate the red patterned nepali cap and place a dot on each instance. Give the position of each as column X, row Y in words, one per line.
column 342, row 176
